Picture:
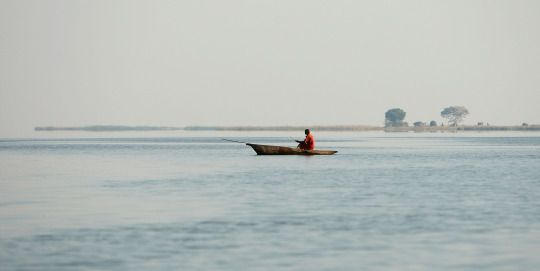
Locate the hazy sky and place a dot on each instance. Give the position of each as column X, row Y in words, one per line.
column 261, row 62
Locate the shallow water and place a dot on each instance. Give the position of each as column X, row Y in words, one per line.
column 466, row 201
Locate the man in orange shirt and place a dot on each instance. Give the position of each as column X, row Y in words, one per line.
column 308, row 143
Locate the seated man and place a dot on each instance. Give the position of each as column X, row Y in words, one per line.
column 308, row 143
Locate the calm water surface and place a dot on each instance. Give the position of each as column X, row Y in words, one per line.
column 185, row 201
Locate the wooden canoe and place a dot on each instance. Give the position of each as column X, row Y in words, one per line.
column 279, row 150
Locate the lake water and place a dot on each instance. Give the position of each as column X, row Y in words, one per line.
column 190, row 201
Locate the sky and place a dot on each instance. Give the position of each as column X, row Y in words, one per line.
column 265, row 62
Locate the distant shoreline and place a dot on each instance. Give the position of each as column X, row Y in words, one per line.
column 107, row 128
column 332, row 128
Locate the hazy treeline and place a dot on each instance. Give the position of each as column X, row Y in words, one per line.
column 337, row 128
column 462, row 128
column 394, row 122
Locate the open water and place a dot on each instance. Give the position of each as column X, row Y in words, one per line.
column 189, row 201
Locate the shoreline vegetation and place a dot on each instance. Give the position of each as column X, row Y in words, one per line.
column 332, row 128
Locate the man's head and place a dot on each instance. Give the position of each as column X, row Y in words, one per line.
column 306, row 131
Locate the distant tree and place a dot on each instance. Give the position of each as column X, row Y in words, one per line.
column 524, row 124
column 419, row 124
column 394, row 117
column 454, row 114
column 432, row 123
